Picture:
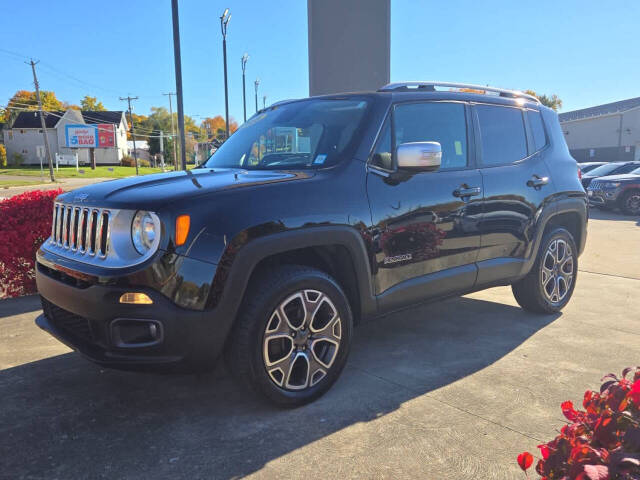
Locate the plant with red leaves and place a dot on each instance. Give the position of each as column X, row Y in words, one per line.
column 603, row 441
column 25, row 222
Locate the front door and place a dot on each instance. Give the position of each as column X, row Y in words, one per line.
column 424, row 224
column 516, row 182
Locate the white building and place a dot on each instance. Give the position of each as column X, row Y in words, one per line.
column 24, row 136
column 605, row 133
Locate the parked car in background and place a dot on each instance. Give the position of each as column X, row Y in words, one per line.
column 588, row 166
column 614, row 168
column 621, row 191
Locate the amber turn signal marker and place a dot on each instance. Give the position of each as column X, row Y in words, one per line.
column 136, row 298
column 182, row 229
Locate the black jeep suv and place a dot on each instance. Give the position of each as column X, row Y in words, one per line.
column 316, row 215
column 613, row 191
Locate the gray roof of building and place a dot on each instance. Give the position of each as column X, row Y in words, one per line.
column 31, row 119
column 92, row 117
column 614, row 107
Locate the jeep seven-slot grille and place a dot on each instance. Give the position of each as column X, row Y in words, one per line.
column 82, row 230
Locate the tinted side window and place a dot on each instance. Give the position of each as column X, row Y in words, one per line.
column 382, row 154
column 537, row 128
column 502, row 134
column 626, row 168
column 434, row 122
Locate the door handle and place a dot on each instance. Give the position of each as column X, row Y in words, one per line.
column 464, row 191
column 537, row 182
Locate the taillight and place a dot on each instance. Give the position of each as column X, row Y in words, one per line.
column 579, row 173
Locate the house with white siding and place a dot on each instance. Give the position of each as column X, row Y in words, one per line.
column 24, row 135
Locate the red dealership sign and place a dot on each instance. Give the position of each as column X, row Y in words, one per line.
column 106, row 135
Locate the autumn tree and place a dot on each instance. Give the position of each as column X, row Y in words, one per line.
column 552, row 101
column 26, row 100
column 215, row 126
column 92, row 104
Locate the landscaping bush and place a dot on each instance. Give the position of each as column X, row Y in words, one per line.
column 17, row 159
column 600, row 443
column 3, row 156
column 25, row 222
column 128, row 161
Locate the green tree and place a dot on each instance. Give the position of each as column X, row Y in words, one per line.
column 551, row 101
column 3, row 156
column 92, row 103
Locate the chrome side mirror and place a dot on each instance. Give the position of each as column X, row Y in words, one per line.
column 419, row 155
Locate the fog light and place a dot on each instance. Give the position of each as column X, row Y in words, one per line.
column 135, row 333
column 136, row 298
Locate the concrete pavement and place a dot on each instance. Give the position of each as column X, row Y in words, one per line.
column 452, row 390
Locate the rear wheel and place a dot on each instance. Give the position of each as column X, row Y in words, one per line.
column 292, row 339
column 631, row 202
column 548, row 287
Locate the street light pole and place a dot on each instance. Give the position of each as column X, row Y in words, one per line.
column 178, row 67
column 224, row 20
column 255, row 84
column 244, row 59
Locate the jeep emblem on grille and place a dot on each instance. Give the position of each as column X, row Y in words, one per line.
column 81, row 197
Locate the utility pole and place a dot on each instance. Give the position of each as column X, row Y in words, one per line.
column 224, row 20
column 244, row 59
column 255, row 84
column 133, row 129
column 178, row 66
column 162, row 149
column 42, row 122
column 173, row 133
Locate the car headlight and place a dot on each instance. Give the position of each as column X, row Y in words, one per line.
column 144, row 231
column 611, row 184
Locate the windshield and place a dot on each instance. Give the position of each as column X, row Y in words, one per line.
column 636, row 171
column 311, row 133
column 603, row 170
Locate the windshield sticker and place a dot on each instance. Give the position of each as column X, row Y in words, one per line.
column 458, row 145
column 320, row 159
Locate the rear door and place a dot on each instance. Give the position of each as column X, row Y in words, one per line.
column 424, row 223
column 512, row 145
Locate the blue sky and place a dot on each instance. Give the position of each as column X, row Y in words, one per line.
column 585, row 51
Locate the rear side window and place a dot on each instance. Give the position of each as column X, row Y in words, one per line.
column 502, row 134
column 537, row 129
column 440, row 122
column 626, row 168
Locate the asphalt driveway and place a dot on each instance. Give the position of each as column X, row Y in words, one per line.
column 451, row 390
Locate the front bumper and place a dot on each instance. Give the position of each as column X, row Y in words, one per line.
column 603, row 198
column 83, row 317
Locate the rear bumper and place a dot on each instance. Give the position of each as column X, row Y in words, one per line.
column 85, row 319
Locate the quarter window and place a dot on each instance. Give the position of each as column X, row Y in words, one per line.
column 440, row 122
column 502, row 134
column 537, row 128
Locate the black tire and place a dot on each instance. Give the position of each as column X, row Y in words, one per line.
column 530, row 292
column 266, row 292
column 630, row 202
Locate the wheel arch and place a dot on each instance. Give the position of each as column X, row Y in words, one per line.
column 340, row 251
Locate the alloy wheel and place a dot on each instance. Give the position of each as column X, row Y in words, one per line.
column 633, row 203
column 301, row 340
column 557, row 272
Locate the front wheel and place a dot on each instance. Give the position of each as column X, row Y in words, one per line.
column 631, row 202
column 293, row 336
column 548, row 287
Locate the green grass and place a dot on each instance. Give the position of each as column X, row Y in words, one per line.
column 70, row 172
column 17, row 183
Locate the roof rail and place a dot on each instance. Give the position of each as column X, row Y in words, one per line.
column 430, row 87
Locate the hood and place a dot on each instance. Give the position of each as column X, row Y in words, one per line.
column 161, row 188
column 621, row 177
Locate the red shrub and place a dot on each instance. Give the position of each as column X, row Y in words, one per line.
column 25, row 222
column 600, row 443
